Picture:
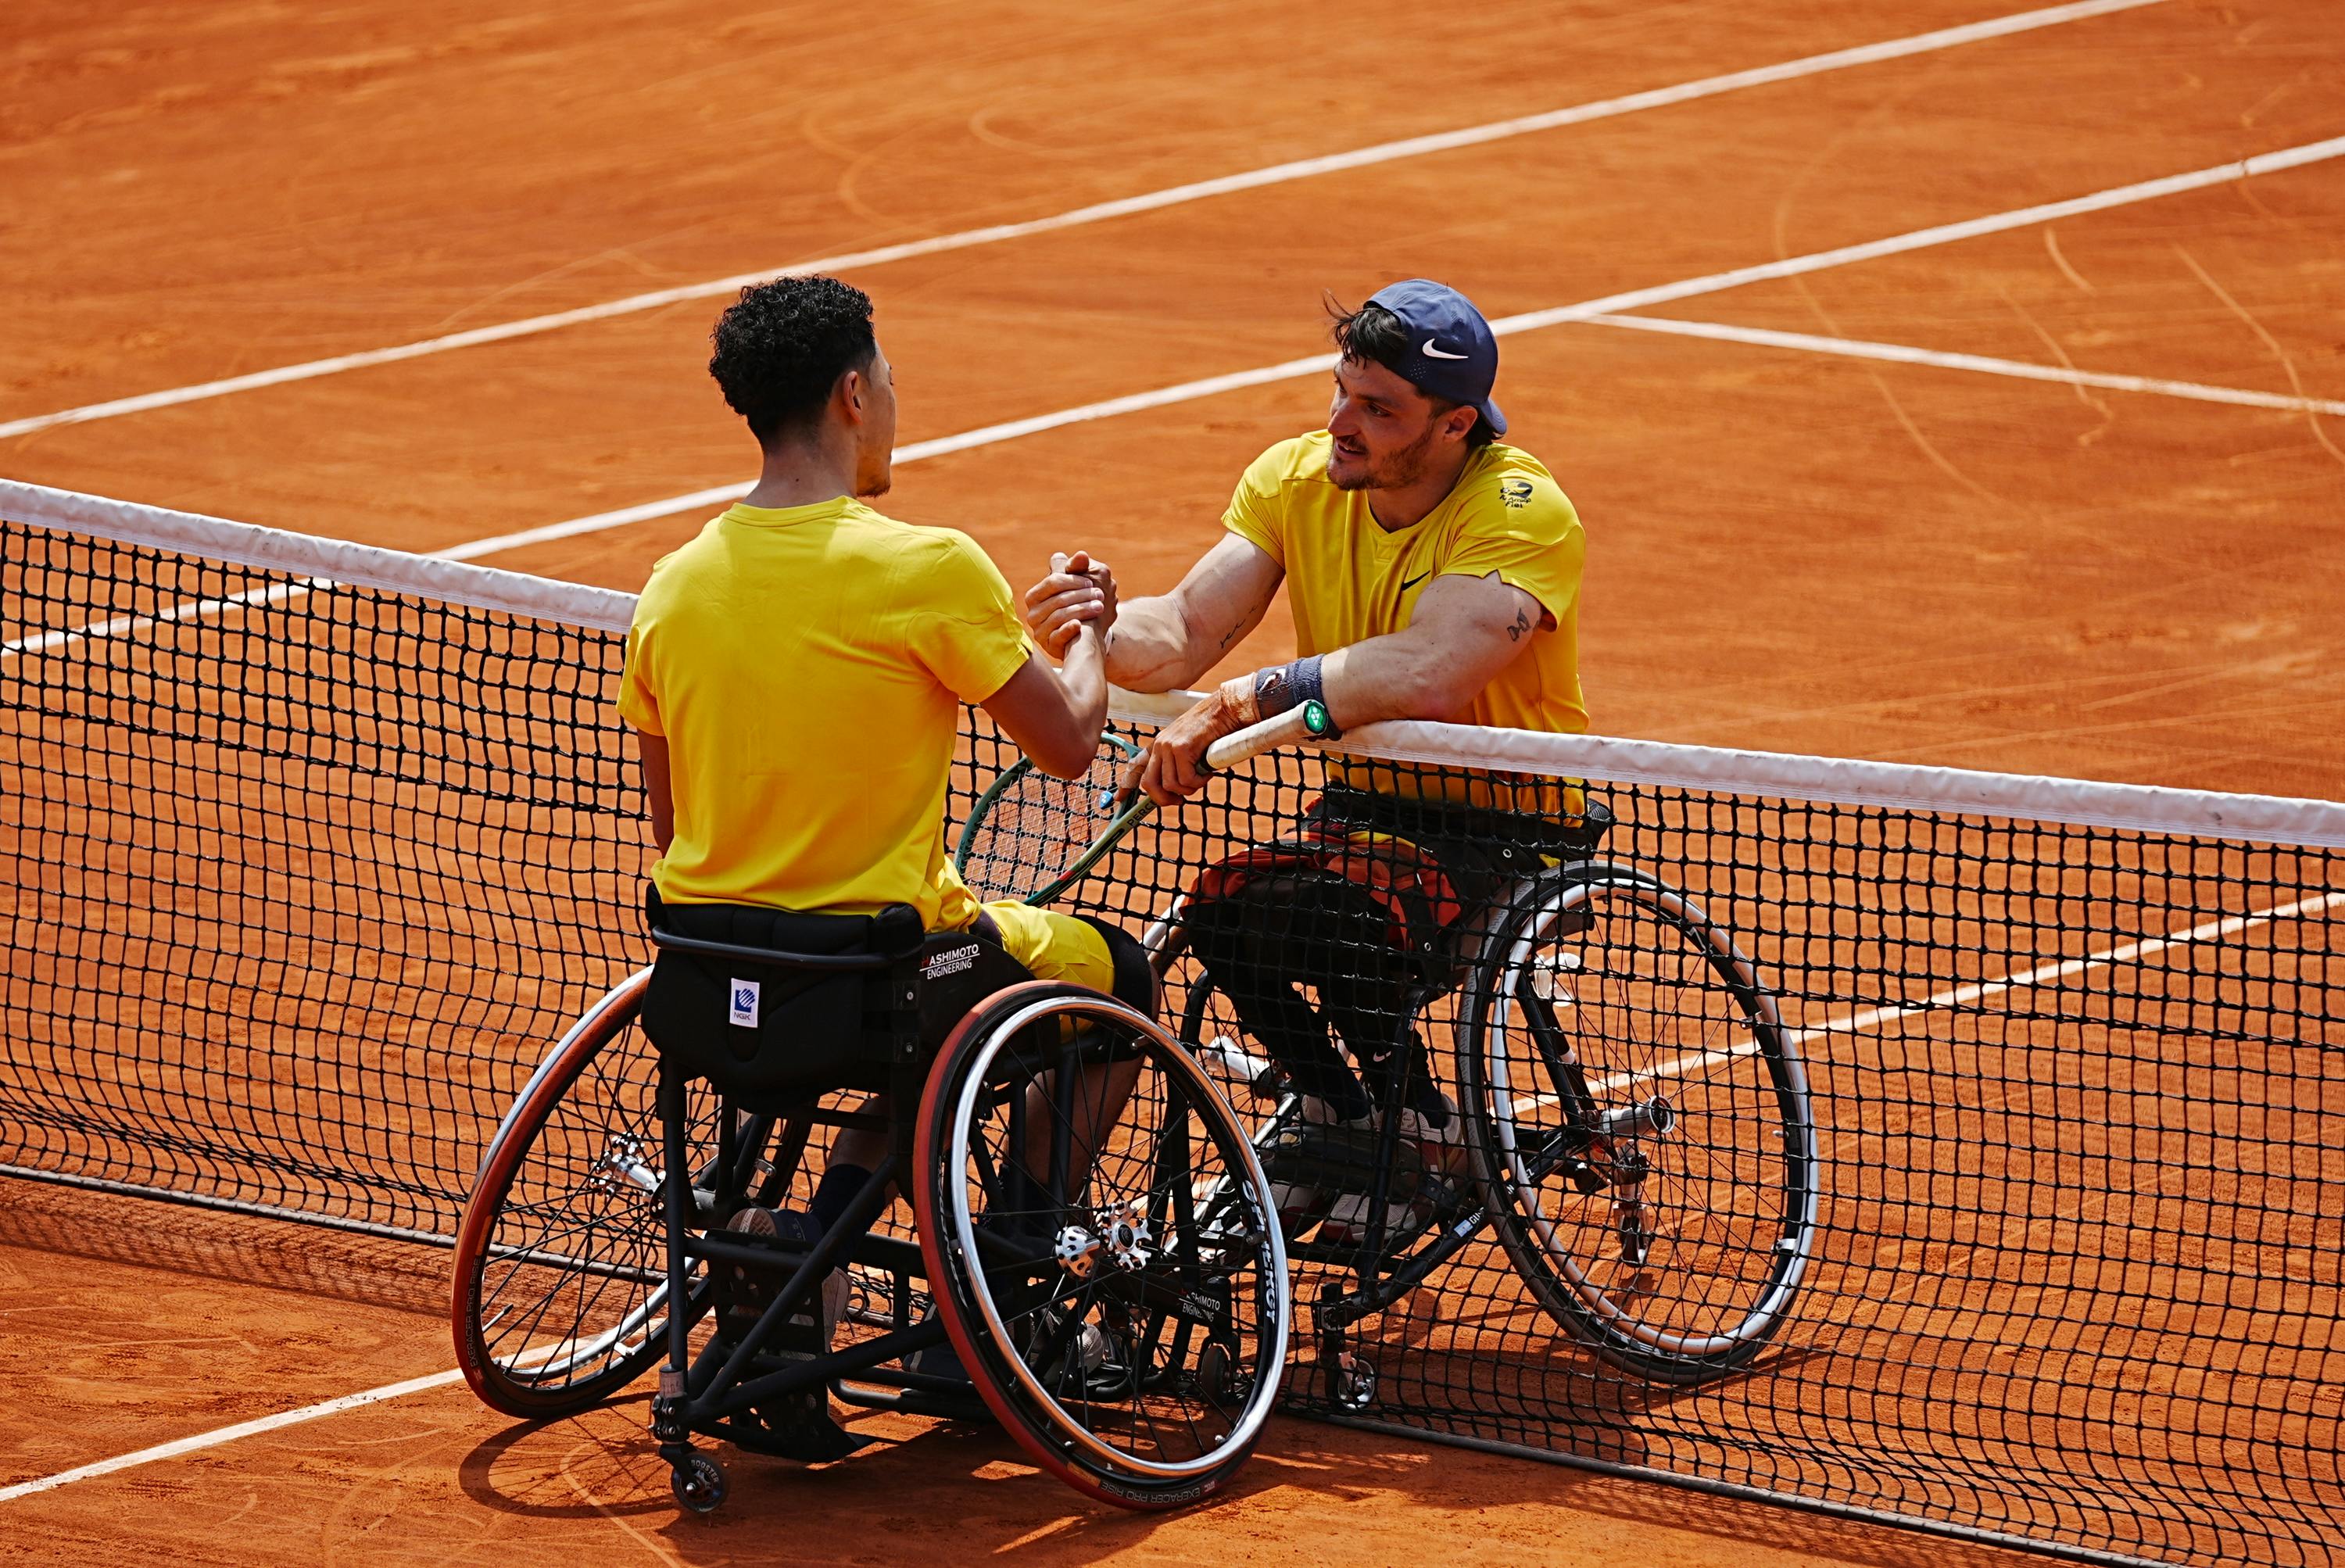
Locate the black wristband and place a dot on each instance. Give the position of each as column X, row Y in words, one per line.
column 1279, row 686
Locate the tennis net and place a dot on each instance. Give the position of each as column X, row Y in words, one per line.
column 313, row 849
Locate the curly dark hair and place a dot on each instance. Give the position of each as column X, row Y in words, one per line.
column 1373, row 335
column 783, row 345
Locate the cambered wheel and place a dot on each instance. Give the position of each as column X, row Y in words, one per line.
column 1124, row 1313
column 1644, row 1122
column 560, row 1291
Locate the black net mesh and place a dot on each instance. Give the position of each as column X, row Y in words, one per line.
column 1978, row 1172
column 301, row 877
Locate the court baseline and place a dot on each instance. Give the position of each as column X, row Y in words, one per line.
column 1150, row 201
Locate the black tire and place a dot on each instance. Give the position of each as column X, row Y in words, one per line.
column 1084, row 1314
column 699, row 1485
column 561, row 1288
column 1604, row 993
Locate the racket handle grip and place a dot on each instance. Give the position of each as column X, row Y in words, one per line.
column 1305, row 723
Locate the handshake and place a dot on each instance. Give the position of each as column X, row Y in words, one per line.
column 1160, row 651
column 1080, row 592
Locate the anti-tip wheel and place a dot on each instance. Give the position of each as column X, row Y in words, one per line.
column 699, row 1485
column 1351, row 1382
column 1218, row 1378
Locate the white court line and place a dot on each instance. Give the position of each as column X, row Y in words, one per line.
column 1899, row 353
column 1316, row 364
column 919, row 450
column 716, row 496
column 1955, row 996
column 242, row 1429
column 1977, row 991
column 191, row 609
column 1587, row 309
column 1150, row 201
column 215, row 1438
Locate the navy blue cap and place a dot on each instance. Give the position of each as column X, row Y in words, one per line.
column 1452, row 351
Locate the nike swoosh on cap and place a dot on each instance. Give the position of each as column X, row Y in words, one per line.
column 1433, row 354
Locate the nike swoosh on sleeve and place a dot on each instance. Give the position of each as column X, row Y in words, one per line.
column 1408, row 583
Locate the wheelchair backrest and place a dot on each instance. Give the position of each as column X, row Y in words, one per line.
column 774, row 1007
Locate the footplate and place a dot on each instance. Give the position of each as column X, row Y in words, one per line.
column 742, row 1293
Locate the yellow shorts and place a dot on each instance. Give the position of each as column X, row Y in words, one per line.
column 1054, row 946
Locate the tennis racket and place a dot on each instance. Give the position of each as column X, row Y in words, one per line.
column 1032, row 837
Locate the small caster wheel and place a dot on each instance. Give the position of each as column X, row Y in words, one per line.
column 699, row 1485
column 1352, row 1382
column 1213, row 1374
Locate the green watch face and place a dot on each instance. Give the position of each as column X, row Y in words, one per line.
column 1314, row 718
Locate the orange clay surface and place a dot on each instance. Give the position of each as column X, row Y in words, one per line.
column 1788, row 551
column 132, row 1324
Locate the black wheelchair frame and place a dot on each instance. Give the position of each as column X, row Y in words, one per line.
column 713, row 1393
column 1382, row 1268
column 1596, row 1152
column 1125, row 1320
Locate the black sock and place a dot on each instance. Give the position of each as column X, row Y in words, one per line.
column 840, row 1185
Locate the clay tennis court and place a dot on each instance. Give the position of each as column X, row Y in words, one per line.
column 1826, row 513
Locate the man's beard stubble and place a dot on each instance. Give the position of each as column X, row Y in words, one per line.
column 1396, row 470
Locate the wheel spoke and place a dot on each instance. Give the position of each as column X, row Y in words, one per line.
column 1094, row 1369
column 1659, row 1011
column 569, row 1271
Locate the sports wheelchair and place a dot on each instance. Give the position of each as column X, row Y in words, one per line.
column 1631, row 1118
column 1112, row 1288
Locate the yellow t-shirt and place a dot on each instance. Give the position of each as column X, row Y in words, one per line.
column 806, row 666
column 1347, row 580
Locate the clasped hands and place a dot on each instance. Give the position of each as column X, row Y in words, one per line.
column 1081, row 591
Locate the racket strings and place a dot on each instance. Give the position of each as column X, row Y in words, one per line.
column 1035, row 826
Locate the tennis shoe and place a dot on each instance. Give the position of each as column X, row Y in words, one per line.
column 941, row 1360
column 1431, row 1155
column 789, row 1226
column 797, row 1425
column 1300, row 1184
column 1084, row 1353
column 938, row 1360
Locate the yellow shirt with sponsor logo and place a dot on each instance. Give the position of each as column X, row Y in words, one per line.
column 806, row 666
column 1348, row 579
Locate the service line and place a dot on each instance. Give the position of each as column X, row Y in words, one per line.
column 1904, row 354
column 1605, row 310
column 198, row 1441
column 1097, row 212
